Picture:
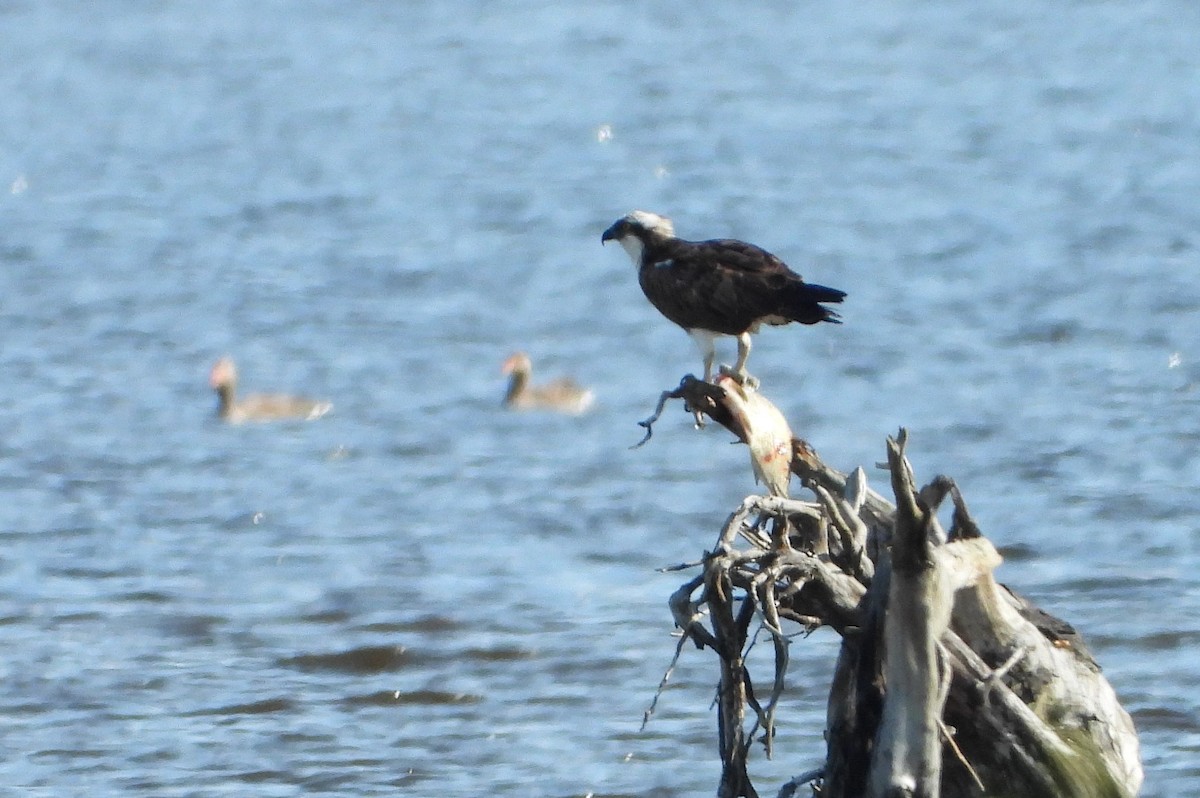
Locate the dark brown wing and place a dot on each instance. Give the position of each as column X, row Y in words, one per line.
column 741, row 257
column 729, row 286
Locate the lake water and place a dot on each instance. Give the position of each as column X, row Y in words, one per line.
column 377, row 202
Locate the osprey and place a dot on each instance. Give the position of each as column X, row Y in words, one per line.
column 718, row 287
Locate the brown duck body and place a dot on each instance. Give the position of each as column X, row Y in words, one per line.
column 258, row 407
column 562, row 395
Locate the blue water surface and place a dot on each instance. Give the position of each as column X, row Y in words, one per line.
column 377, row 202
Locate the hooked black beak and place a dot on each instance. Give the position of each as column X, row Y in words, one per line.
column 610, row 234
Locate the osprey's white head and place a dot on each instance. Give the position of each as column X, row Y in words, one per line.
column 633, row 230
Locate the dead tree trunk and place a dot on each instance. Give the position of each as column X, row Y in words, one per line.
column 947, row 683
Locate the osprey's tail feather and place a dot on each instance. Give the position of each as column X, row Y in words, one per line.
column 804, row 303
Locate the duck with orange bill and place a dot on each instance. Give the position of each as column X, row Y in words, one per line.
column 561, row 395
column 258, row 407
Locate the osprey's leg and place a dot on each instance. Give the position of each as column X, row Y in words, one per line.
column 708, row 348
column 739, row 372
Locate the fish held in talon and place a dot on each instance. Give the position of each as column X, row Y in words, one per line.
column 561, row 395
column 719, row 287
column 767, row 434
column 258, row 407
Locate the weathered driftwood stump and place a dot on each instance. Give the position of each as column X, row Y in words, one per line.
column 947, row 682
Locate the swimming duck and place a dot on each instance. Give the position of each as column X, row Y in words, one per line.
column 258, row 407
column 562, row 395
